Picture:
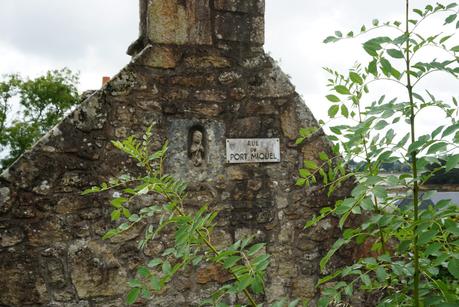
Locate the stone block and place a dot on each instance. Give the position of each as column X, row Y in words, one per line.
column 11, row 236
column 237, row 173
column 158, row 57
column 179, row 22
column 256, row 7
column 4, row 199
column 304, row 288
column 95, row 271
column 245, row 127
column 21, row 284
column 207, row 61
column 229, row 77
column 55, row 273
column 212, row 273
column 272, row 83
column 204, row 109
column 210, row 95
column 239, row 28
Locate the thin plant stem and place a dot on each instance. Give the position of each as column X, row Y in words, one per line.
column 415, row 186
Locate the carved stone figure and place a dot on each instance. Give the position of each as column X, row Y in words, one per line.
column 197, row 149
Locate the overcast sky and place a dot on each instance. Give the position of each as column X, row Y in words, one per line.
column 91, row 36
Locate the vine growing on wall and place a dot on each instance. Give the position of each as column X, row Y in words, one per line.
column 414, row 257
column 245, row 262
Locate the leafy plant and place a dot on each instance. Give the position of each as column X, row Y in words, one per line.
column 414, row 257
column 31, row 107
column 243, row 261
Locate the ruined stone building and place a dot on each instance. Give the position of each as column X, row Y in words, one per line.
column 198, row 64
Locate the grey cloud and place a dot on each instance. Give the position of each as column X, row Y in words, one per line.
column 92, row 35
column 68, row 30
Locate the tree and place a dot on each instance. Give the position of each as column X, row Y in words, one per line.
column 31, row 107
column 414, row 259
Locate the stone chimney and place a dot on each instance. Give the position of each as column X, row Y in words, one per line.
column 200, row 22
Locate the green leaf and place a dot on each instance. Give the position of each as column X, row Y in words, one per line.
column 118, row 202
column 126, row 213
column 133, row 295
column 304, row 173
column 381, row 274
column 330, row 39
column 453, row 267
column 373, row 68
column 445, row 38
column 323, row 156
column 337, row 245
column 381, row 125
column 301, row 182
column 197, row 260
column 450, row 19
column 395, row 53
column 419, row 12
column 134, row 218
column 135, row 283
column 333, row 98
column 110, row 234
column 345, row 206
column 255, row 248
column 166, row 267
column 333, row 110
column 371, row 49
column 355, row 77
column 341, row 89
column 451, row 162
column 310, row 164
column 143, row 271
column 436, row 147
column 366, row 280
column 386, row 66
column 299, row 140
column 244, row 282
column 432, row 248
column 231, row 261
column 415, row 146
column 344, row 111
column 154, row 262
column 426, row 236
column 450, row 130
column 155, row 283
column 257, row 285
column 307, row 132
column 453, row 229
column 294, row 303
column 116, row 215
column 455, row 49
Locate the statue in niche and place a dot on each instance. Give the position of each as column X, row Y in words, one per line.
column 197, row 148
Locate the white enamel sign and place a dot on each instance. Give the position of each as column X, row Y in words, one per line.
column 252, row 150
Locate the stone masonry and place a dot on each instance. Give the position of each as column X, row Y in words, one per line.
column 197, row 63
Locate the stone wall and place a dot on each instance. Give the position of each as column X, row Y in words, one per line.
column 202, row 64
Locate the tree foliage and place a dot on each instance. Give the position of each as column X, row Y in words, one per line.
column 414, row 257
column 31, row 107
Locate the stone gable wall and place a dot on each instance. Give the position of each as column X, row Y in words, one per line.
column 51, row 252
